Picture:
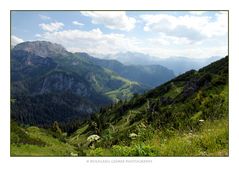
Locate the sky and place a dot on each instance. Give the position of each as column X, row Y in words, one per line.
column 162, row 34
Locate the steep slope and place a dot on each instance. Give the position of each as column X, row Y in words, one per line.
column 191, row 86
column 148, row 75
column 176, row 118
column 48, row 83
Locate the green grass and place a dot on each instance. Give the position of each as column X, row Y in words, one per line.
column 210, row 140
column 124, row 91
column 174, row 90
column 52, row 147
column 117, row 77
column 78, row 137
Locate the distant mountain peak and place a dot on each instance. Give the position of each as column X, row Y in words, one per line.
column 42, row 48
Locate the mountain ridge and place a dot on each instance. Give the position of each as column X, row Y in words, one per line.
column 186, row 116
column 174, row 112
column 43, row 69
column 178, row 64
column 149, row 75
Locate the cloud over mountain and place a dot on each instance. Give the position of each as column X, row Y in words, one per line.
column 111, row 19
column 194, row 34
column 93, row 41
column 51, row 27
column 15, row 40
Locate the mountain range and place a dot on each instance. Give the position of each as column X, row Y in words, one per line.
column 186, row 116
column 148, row 75
column 49, row 84
column 179, row 65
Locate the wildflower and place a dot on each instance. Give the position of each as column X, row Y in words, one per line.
column 142, row 125
column 133, row 135
column 201, row 120
column 93, row 137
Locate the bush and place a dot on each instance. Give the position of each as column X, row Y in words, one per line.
column 19, row 136
column 144, row 132
column 144, row 150
column 135, row 150
column 96, row 152
column 121, row 150
column 214, row 107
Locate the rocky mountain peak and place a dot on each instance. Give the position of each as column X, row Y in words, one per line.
column 42, row 48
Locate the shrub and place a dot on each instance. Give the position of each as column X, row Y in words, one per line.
column 121, row 150
column 144, row 150
column 19, row 136
column 144, row 132
column 135, row 150
column 96, row 152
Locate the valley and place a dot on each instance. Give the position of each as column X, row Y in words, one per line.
column 73, row 104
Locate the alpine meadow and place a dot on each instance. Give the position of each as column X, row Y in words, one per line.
column 119, row 83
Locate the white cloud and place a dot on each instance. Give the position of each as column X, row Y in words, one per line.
column 166, row 46
column 37, row 35
column 165, row 40
column 44, row 17
column 194, row 28
column 185, row 51
column 96, row 42
column 195, row 36
column 15, row 40
column 112, row 19
column 93, row 41
column 197, row 12
column 77, row 23
column 51, row 27
column 218, row 27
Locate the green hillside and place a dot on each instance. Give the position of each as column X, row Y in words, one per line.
column 34, row 141
column 51, row 84
column 147, row 75
column 125, row 91
column 187, row 116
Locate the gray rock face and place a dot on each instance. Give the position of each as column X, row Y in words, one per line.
column 61, row 82
column 86, row 108
column 42, row 48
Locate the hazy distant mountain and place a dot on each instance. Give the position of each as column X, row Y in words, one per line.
column 177, row 64
column 133, row 58
column 148, row 75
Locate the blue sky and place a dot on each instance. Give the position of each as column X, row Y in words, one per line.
column 194, row 34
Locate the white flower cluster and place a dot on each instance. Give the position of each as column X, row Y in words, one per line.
column 93, row 137
column 133, row 135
